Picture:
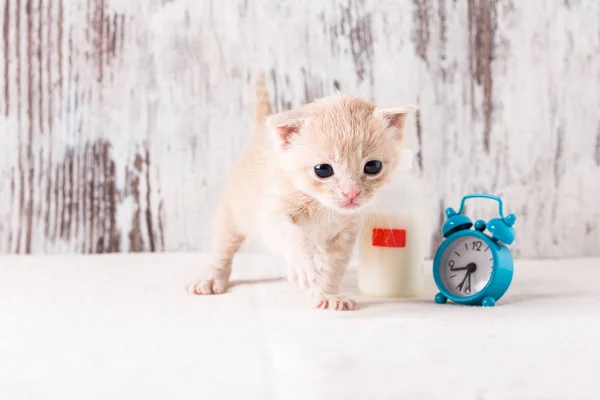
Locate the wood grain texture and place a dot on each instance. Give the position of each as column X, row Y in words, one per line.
column 119, row 119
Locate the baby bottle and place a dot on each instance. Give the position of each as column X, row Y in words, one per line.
column 391, row 241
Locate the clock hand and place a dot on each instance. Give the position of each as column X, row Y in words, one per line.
column 468, row 288
column 460, row 285
column 472, row 267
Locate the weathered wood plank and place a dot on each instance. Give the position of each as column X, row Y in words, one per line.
column 119, row 119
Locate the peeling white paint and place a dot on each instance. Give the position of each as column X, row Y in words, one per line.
column 178, row 86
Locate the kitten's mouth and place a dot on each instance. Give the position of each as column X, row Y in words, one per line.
column 350, row 205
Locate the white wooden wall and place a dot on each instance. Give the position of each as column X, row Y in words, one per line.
column 120, row 118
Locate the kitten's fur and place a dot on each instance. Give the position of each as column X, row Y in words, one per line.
column 274, row 192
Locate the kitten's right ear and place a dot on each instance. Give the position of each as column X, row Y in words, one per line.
column 284, row 128
column 395, row 117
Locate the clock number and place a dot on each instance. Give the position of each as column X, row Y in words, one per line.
column 451, row 264
column 477, row 245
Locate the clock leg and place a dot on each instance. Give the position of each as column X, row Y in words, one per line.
column 488, row 302
column 440, row 298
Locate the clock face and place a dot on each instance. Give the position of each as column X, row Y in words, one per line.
column 466, row 266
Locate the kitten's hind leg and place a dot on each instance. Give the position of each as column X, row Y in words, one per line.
column 226, row 242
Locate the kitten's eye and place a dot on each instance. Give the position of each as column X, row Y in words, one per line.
column 372, row 167
column 323, row 170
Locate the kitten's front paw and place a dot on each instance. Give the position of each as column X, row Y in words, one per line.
column 208, row 286
column 305, row 278
column 336, row 302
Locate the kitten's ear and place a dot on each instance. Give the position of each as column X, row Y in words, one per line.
column 284, row 128
column 395, row 117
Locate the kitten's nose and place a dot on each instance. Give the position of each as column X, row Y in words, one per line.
column 351, row 195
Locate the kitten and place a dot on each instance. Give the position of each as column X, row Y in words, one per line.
column 301, row 187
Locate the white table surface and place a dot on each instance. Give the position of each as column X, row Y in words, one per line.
column 123, row 327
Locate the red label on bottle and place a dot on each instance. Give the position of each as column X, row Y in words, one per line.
column 389, row 237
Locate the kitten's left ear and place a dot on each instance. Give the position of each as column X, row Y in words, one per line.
column 395, row 116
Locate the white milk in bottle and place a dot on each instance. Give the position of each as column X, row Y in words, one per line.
column 391, row 242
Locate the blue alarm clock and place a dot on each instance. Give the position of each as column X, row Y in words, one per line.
column 470, row 266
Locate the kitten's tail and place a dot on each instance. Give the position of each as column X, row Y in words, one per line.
column 262, row 104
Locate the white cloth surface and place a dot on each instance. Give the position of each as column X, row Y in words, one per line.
column 124, row 327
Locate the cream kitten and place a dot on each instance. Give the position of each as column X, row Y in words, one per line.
column 301, row 186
